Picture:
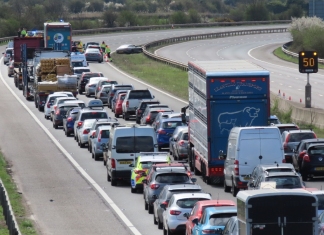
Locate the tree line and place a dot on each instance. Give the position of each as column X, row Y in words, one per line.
column 32, row 14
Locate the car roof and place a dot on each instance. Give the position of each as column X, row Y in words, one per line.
column 89, row 120
column 175, row 187
column 67, row 98
column 298, row 131
column 190, row 195
column 288, row 173
column 68, row 104
column 275, row 165
column 156, row 158
column 105, row 127
column 285, row 125
column 171, row 119
column 80, row 67
column 218, row 210
column 58, row 95
column 315, row 144
column 171, row 170
column 312, row 140
column 216, row 203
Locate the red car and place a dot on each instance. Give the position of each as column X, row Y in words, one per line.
column 118, row 106
column 199, row 208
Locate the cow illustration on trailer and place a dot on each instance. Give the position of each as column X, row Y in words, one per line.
column 227, row 120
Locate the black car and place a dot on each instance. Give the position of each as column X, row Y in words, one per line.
column 164, row 198
column 313, row 162
column 141, row 107
column 300, row 150
column 129, row 49
column 60, row 113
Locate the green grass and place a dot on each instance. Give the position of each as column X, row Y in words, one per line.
column 25, row 224
column 165, row 77
column 279, row 53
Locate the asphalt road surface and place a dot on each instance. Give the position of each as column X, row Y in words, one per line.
column 66, row 190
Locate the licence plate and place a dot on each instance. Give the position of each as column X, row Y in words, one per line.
column 319, row 168
column 125, row 162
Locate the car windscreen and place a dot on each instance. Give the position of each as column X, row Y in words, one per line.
column 108, row 82
column 140, row 94
column 51, row 99
column 187, row 203
column 76, row 64
column 80, row 71
column 123, row 88
column 134, row 144
column 93, row 115
column 285, row 181
column 185, row 136
column 172, row 178
column 88, row 123
column 105, row 133
column 177, row 191
column 106, row 89
column 144, row 105
column 172, row 124
column 297, row 137
column 148, row 164
column 280, row 170
column 220, row 219
column 63, row 110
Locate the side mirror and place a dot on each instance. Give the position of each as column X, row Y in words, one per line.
column 195, row 221
column 186, row 215
column 163, row 206
column 131, row 165
column 91, row 137
column 194, row 180
column 251, row 184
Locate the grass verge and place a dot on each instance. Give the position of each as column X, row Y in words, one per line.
column 17, row 203
column 165, row 77
column 280, row 54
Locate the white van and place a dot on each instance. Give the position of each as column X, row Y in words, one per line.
column 125, row 144
column 79, row 57
column 248, row 147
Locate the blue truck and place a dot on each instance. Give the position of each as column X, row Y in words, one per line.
column 58, row 35
column 222, row 95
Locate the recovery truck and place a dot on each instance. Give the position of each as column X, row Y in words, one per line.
column 51, row 72
column 222, row 95
column 20, row 59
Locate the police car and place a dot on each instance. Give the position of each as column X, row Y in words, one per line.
column 142, row 164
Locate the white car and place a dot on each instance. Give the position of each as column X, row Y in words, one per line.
column 83, row 131
column 90, row 88
column 49, row 103
column 174, row 220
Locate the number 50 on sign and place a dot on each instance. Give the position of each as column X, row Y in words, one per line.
column 308, row 62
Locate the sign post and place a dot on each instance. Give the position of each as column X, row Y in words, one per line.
column 308, row 63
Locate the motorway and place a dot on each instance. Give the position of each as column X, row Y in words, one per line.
column 66, row 190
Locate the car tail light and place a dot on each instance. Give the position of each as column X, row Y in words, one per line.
column 174, row 212
column 69, row 119
column 86, row 131
column 48, row 105
column 181, row 143
column 301, row 154
column 306, row 158
column 154, row 186
column 99, row 136
column 113, row 163
column 208, row 231
column 127, row 104
column 80, row 124
column 57, row 112
column 148, row 118
column 162, row 132
column 236, row 167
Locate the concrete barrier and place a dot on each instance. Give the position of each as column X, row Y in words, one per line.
column 299, row 114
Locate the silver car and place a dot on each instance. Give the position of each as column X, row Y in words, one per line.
column 174, row 136
column 93, row 54
column 103, row 93
column 99, row 141
column 11, row 68
column 7, row 55
column 90, row 88
column 57, row 101
column 83, row 132
column 174, row 220
column 181, row 145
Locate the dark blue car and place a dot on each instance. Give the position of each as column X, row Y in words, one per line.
column 165, row 129
column 69, row 119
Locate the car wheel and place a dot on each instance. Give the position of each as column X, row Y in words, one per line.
column 55, row 126
column 150, row 209
column 126, row 116
column 234, row 190
column 304, row 176
column 116, row 115
column 154, row 219
column 108, row 177
column 160, row 149
column 96, row 157
column 113, row 182
column 82, row 145
column 90, row 150
column 159, row 223
column 92, row 155
column 105, row 162
column 80, row 92
column 133, row 190
column 67, row 133
column 145, row 205
column 227, row 189
column 165, row 232
column 87, row 95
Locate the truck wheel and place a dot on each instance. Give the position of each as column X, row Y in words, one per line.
column 227, row 189
column 234, row 189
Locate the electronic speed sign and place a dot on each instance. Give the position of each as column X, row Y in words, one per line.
column 308, row 62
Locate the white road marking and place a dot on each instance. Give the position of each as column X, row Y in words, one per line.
column 75, row 164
